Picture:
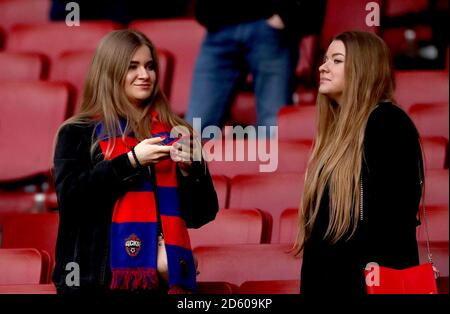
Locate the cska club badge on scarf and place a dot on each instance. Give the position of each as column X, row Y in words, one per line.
column 133, row 245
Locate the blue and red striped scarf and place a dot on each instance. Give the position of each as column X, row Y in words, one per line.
column 134, row 229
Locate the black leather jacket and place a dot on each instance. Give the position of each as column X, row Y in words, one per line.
column 87, row 191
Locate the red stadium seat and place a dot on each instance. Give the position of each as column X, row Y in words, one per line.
column 222, row 190
column 2, row 37
column 182, row 37
column 437, row 218
column 437, row 222
column 297, row 123
column 271, row 193
column 49, row 263
column 51, row 201
column 53, row 39
column 28, row 289
column 20, row 266
column 166, row 67
column 247, row 262
column 22, row 66
column 343, row 16
column 243, row 109
column 430, row 119
column 401, row 7
column 216, row 288
column 30, row 114
column 436, row 187
column 289, row 225
column 23, row 11
column 17, row 201
column 305, row 95
column 306, row 66
column 435, row 152
column 283, row 156
column 231, row 226
column 72, row 67
column 26, row 230
column 414, row 87
column 270, row 287
column 396, row 37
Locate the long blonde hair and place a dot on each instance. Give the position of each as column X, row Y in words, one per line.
column 104, row 99
column 337, row 155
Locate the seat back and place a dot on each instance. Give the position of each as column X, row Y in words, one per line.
column 239, row 157
column 306, row 66
column 271, row 193
column 231, row 226
column 421, row 86
column 14, row 12
column 270, row 287
column 343, row 16
column 216, row 287
column 297, row 123
column 20, row 266
column 221, row 185
column 30, row 115
column 24, row 230
column 437, row 222
column 29, row 38
column 401, row 7
column 430, row 119
column 436, row 187
column 28, row 289
column 435, row 152
column 17, row 201
column 247, row 262
column 72, row 67
column 22, row 66
column 289, row 225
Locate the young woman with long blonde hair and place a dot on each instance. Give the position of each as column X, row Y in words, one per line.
column 127, row 190
column 363, row 182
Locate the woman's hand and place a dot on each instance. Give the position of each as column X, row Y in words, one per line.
column 183, row 152
column 275, row 21
column 149, row 152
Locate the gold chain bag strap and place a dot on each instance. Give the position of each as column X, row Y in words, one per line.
column 424, row 214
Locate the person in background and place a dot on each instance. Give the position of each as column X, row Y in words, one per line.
column 256, row 36
column 121, row 11
column 126, row 189
column 364, row 178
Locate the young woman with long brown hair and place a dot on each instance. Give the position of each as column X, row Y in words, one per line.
column 363, row 182
column 124, row 203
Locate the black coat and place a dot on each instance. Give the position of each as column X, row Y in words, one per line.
column 300, row 17
column 87, row 191
column 387, row 233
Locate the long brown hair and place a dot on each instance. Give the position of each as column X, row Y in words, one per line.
column 337, row 155
column 104, row 99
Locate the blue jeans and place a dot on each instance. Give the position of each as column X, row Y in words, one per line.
column 225, row 55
